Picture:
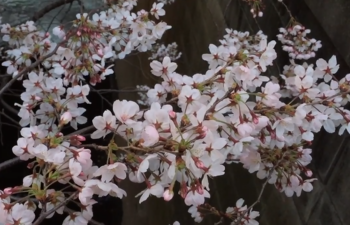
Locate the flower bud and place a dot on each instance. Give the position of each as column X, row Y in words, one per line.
column 200, row 189
column 308, row 173
column 172, row 114
column 8, row 191
column 66, row 118
column 183, row 190
column 199, row 164
column 168, row 195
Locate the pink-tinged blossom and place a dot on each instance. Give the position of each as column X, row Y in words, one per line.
column 197, row 216
column 3, row 213
column 27, row 181
column 104, row 125
column 165, row 68
column 87, row 210
column 125, row 110
column 150, row 136
column 107, row 172
column 251, row 160
column 144, row 165
column 22, row 148
column 75, row 171
column 168, row 195
column 66, row 117
column 156, row 190
column 20, row 214
column 75, row 218
column 326, row 69
column 196, row 199
column 159, row 29
column 216, row 56
column 82, row 155
column 157, row 10
column 85, row 194
column 55, row 155
column 268, row 55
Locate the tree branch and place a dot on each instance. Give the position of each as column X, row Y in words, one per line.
column 29, row 68
column 50, row 7
column 44, row 215
column 9, row 163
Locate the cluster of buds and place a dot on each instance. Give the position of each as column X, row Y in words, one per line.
column 166, row 2
column 142, row 90
column 88, row 45
column 295, row 41
column 160, row 51
column 257, row 7
column 241, row 214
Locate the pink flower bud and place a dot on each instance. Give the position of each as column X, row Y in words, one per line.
column 58, row 135
column 172, row 114
column 205, row 129
column 273, row 135
column 150, row 136
column 200, row 189
column 199, row 164
column 308, row 173
column 168, row 195
column 244, row 69
column 8, row 191
column 183, row 190
column 30, row 165
column 81, row 138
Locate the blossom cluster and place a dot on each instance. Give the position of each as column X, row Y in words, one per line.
column 257, row 7
column 194, row 125
column 295, row 41
column 90, row 43
column 53, row 92
column 160, row 51
column 166, row 2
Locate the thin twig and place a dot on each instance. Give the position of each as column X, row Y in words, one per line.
column 81, row 131
column 238, row 221
column 8, row 107
column 9, row 118
column 44, row 215
column 53, row 18
column 29, row 68
column 49, row 7
column 9, row 163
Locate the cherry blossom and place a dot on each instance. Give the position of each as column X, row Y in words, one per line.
column 191, row 125
column 104, row 125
